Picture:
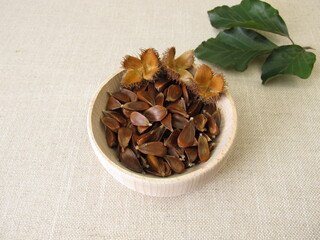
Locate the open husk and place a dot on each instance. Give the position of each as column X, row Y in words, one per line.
column 163, row 119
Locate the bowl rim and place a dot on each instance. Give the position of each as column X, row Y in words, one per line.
column 141, row 177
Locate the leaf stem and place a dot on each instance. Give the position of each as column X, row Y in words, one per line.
column 291, row 40
column 307, row 48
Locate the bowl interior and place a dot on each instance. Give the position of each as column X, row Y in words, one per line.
column 96, row 129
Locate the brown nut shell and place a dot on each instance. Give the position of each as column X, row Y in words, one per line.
column 171, row 141
column 141, row 129
column 111, row 123
column 200, row 122
column 156, row 164
column 113, row 104
column 139, row 119
column 192, row 153
column 185, row 94
column 167, row 122
column 153, row 135
column 126, row 112
column 203, row 148
column 209, row 108
column 146, row 97
column 212, row 145
column 194, row 108
column 152, row 90
column 178, row 107
column 121, row 97
column 156, row 113
column 117, row 116
column 174, row 92
column 179, row 121
column 130, row 160
column 111, row 138
column 153, row 148
column 159, row 99
column 124, row 137
column 162, row 84
column 217, row 117
column 175, row 163
column 136, row 106
column 132, row 95
column 176, row 151
column 186, row 137
column 168, row 171
column 213, row 128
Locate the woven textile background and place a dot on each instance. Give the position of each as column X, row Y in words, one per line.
column 53, row 57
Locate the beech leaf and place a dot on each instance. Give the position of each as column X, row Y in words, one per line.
column 234, row 48
column 249, row 14
column 289, row 59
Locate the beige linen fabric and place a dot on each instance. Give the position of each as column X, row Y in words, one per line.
column 54, row 55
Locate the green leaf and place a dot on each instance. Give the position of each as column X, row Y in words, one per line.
column 290, row 59
column 249, row 14
column 235, row 48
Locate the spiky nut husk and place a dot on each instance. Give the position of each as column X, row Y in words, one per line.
column 162, row 125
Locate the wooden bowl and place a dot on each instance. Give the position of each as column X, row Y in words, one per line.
column 176, row 184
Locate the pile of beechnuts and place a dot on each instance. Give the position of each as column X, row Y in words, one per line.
column 163, row 119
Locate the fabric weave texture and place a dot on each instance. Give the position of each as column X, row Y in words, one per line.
column 53, row 57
